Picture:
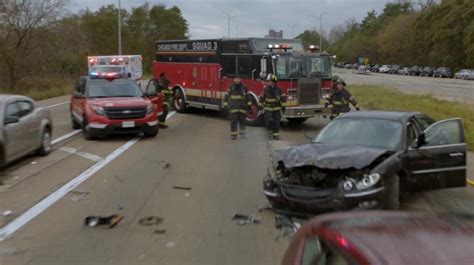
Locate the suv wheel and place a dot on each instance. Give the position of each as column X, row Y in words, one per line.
column 86, row 131
column 75, row 125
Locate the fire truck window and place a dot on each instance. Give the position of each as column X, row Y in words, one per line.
column 244, row 64
column 228, row 65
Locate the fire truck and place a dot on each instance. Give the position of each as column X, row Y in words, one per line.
column 131, row 63
column 201, row 71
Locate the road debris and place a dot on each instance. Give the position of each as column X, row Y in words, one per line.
column 7, row 213
column 159, row 231
column 287, row 225
column 119, row 178
column 181, row 188
column 110, row 221
column 33, row 163
column 265, row 207
column 150, row 220
column 171, row 244
column 187, row 194
column 242, row 219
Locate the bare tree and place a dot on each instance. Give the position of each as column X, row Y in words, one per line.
column 20, row 21
column 424, row 4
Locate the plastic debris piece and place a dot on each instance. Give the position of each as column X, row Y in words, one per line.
column 34, row 163
column 159, row 231
column 150, row 220
column 7, row 212
column 187, row 194
column 181, row 188
column 119, row 178
column 110, row 221
column 242, row 219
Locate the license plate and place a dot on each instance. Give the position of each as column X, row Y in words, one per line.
column 128, row 124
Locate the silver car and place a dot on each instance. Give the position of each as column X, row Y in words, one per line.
column 466, row 74
column 26, row 128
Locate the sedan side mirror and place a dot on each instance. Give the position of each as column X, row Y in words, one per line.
column 11, row 119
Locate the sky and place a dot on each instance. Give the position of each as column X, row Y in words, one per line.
column 253, row 18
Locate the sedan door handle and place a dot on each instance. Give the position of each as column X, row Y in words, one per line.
column 456, row 154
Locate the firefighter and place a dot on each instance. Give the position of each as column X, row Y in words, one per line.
column 273, row 101
column 340, row 98
column 163, row 87
column 237, row 101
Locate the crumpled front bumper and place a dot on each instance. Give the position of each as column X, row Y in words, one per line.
column 305, row 201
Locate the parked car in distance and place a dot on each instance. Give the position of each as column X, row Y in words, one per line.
column 427, row 71
column 415, row 70
column 339, row 65
column 366, row 160
column 443, row 72
column 466, row 74
column 404, row 71
column 348, row 66
column 383, row 237
column 26, row 128
column 394, row 69
column 385, row 68
column 375, row 68
column 355, row 66
column 370, row 66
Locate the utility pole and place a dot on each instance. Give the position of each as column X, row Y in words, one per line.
column 321, row 30
column 229, row 17
column 119, row 28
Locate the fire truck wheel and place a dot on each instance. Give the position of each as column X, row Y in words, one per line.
column 254, row 118
column 296, row 120
column 179, row 103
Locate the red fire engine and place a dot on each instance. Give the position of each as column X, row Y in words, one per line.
column 200, row 72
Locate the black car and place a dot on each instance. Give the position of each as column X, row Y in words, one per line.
column 427, row 71
column 415, row 70
column 404, row 71
column 443, row 72
column 366, row 160
column 394, row 69
column 375, row 68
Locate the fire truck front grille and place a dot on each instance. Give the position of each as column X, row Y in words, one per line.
column 125, row 113
column 309, row 93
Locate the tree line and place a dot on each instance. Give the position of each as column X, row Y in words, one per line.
column 428, row 33
column 40, row 39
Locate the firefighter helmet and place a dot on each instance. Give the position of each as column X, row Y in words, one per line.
column 340, row 81
column 272, row 78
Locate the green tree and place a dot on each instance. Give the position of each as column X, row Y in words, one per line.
column 311, row 37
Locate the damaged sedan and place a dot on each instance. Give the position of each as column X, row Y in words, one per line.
column 367, row 160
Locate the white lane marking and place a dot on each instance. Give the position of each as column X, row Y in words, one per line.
column 44, row 204
column 171, row 114
column 57, row 105
column 40, row 207
column 65, row 137
column 85, row 155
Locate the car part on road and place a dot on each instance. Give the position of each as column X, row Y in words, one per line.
column 6, row 213
column 110, row 221
column 243, row 219
column 159, row 231
column 181, row 188
column 150, row 220
column 265, row 207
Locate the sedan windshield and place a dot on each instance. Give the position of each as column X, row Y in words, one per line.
column 108, row 89
column 378, row 133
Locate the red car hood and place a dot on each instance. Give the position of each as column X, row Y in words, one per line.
column 119, row 102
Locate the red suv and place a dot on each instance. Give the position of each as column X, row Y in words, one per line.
column 114, row 106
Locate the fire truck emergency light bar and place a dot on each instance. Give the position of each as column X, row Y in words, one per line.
column 279, row 47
